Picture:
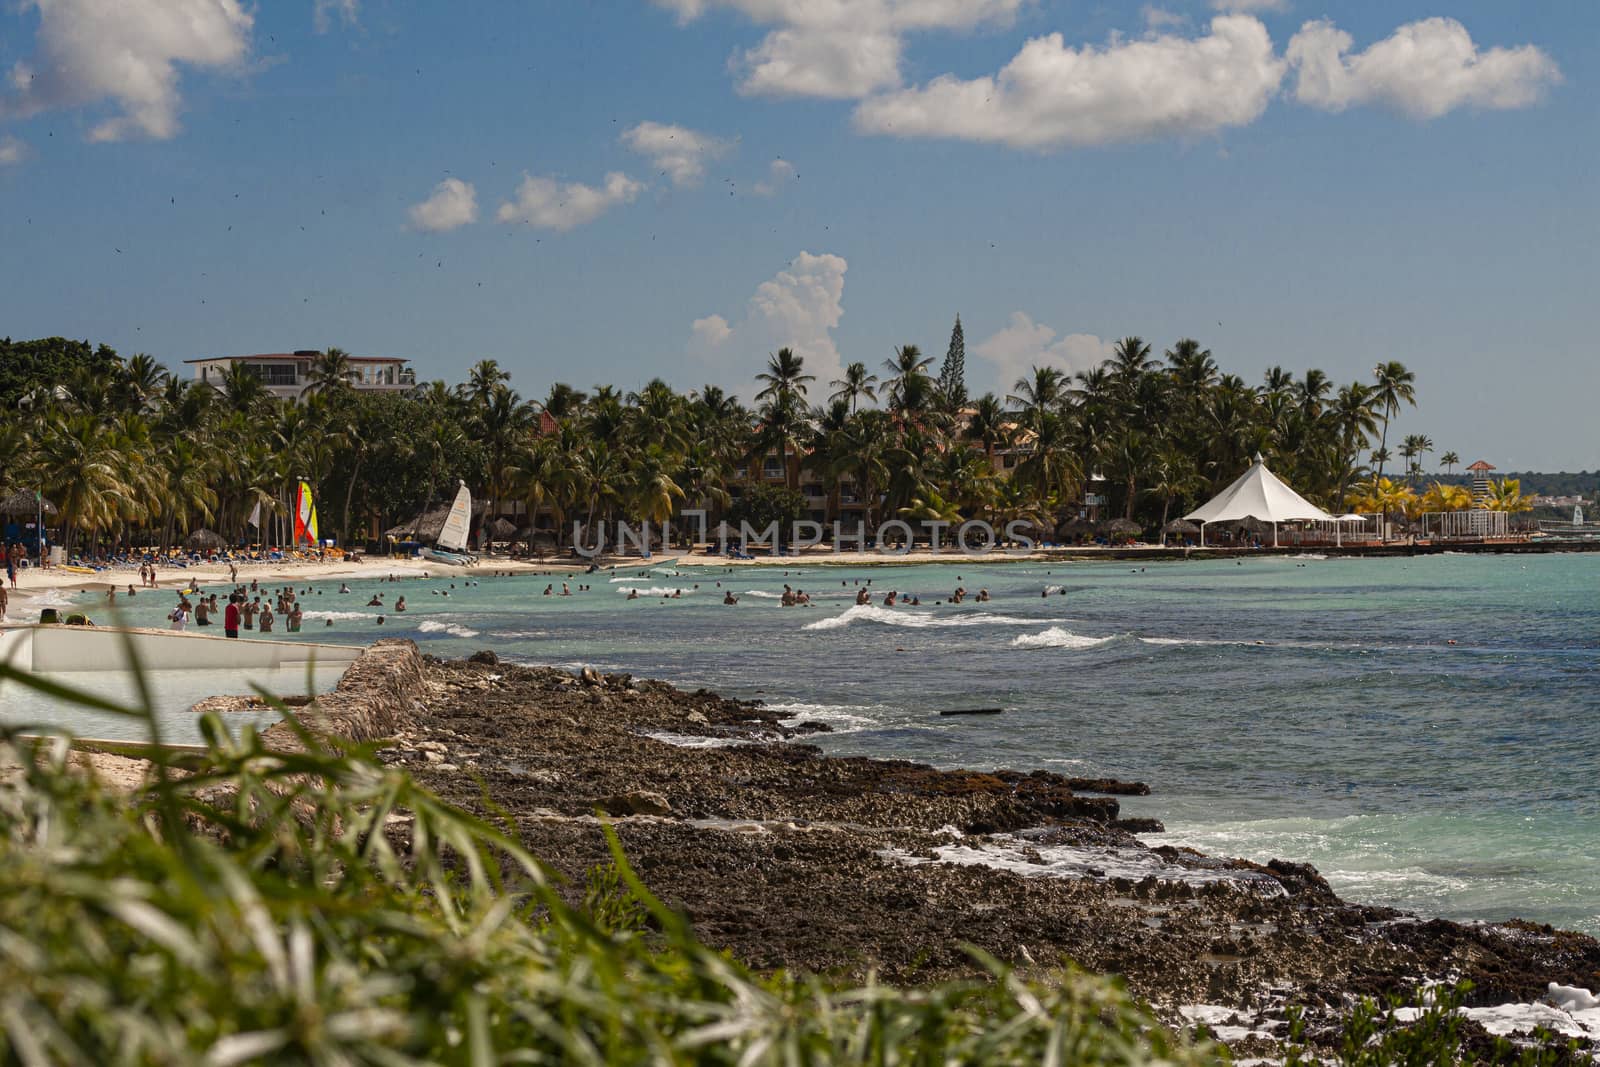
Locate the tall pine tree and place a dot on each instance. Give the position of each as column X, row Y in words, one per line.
column 953, row 374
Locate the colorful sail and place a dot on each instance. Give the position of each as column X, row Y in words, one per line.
column 453, row 538
column 305, row 516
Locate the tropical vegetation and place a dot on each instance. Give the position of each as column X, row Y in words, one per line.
column 132, row 454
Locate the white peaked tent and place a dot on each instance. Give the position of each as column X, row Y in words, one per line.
column 1261, row 495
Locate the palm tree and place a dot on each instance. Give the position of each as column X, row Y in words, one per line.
column 331, row 371
column 857, row 382
column 1037, row 395
column 784, row 377
column 907, row 367
column 1395, row 385
column 1506, row 495
column 1449, row 461
column 989, row 424
column 481, row 381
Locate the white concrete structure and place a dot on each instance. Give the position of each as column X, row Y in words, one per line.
column 61, row 648
column 286, row 374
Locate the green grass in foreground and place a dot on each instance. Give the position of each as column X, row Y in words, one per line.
column 251, row 907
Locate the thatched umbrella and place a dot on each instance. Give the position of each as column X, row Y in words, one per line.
column 205, row 539
column 725, row 531
column 1124, row 528
column 1074, row 527
column 1181, row 526
column 24, row 503
column 501, row 529
column 425, row 527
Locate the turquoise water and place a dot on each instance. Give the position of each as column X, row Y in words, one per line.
column 1309, row 709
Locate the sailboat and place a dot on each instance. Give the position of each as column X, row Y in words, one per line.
column 305, row 517
column 452, row 543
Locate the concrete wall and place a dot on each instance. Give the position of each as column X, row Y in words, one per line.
column 101, row 648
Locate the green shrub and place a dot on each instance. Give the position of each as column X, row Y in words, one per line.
column 260, row 906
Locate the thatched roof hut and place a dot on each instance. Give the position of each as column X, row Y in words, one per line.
column 205, row 540
column 1181, row 526
column 24, row 504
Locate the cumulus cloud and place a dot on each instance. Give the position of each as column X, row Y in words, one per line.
column 12, row 151
column 799, row 307
column 837, row 49
column 780, row 172
column 1023, row 344
column 1423, row 70
column 127, row 52
column 453, row 203
column 548, row 204
column 325, row 11
column 1052, row 95
column 678, row 152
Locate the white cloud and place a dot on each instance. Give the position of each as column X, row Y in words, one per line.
column 833, row 64
column 1250, row 5
column 12, row 151
column 453, row 203
column 1157, row 19
column 799, row 307
column 548, row 204
column 1051, row 95
column 1023, row 344
column 347, row 12
column 1424, row 69
column 127, row 51
column 780, row 172
column 837, row 49
column 678, row 152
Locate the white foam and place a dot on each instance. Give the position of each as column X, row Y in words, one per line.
column 54, row 598
column 453, row 629
column 1007, row 853
column 667, row 737
column 517, row 635
column 843, row 718
column 655, row 590
column 919, row 620
column 762, row 594
column 1057, row 637
column 343, row 616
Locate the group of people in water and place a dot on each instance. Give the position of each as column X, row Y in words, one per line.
column 248, row 608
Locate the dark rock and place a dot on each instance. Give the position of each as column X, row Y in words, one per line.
column 635, row 802
column 487, row 658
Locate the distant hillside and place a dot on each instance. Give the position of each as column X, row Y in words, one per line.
column 1534, row 483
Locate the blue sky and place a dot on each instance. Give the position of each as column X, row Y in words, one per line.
column 610, row 191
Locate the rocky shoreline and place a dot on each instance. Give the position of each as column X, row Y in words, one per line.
column 791, row 859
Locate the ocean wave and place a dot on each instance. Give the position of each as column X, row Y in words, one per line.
column 762, row 594
column 517, row 635
column 1058, row 637
column 667, row 737
column 655, row 590
column 843, row 718
column 635, row 578
column 342, row 616
column 919, row 620
column 51, row 598
column 453, row 629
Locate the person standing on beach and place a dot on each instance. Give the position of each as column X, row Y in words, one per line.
column 230, row 618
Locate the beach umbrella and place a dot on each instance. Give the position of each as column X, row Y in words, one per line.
column 502, row 529
column 1181, row 526
column 25, row 503
column 1123, row 526
column 725, row 531
column 205, row 539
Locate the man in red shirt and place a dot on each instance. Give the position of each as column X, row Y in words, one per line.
column 230, row 617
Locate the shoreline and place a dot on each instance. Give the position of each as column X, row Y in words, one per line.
column 789, row 858
column 33, row 581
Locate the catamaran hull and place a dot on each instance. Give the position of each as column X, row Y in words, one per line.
column 452, row 558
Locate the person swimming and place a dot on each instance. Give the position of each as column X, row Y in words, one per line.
column 729, row 598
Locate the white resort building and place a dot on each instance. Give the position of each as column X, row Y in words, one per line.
column 287, row 374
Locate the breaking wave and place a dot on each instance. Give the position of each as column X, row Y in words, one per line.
column 451, row 628
column 1058, row 637
column 919, row 620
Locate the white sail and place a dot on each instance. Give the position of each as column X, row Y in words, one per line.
column 453, row 538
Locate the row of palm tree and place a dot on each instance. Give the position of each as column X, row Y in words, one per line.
column 134, row 455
